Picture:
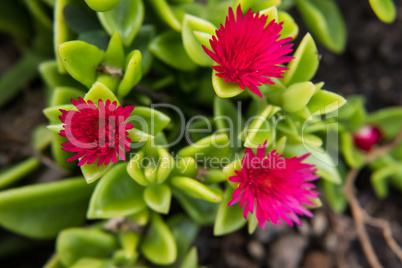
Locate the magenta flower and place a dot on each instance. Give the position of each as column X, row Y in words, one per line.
column 247, row 52
column 96, row 132
column 276, row 188
column 367, row 137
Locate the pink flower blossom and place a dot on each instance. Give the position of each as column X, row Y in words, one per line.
column 96, row 132
column 247, row 51
column 367, row 137
column 275, row 187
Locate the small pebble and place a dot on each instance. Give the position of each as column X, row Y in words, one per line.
column 320, row 223
column 287, row 251
column 255, row 249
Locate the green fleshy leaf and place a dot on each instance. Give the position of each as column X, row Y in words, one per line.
column 326, row 167
column 59, row 155
column 158, row 244
column 225, row 90
column 134, row 169
column 353, row 115
column 190, row 260
column 261, row 128
column 81, row 60
column 289, row 27
column 99, row 91
column 200, row 211
column 63, row 95
column 139, row 136
column 185, row 167
column 98, row 38
column 228, row 218
column 191, row 43
column 91, row 262
column 163, row 10
column 126, row 18
column 184, row 231
column 41, row 138
column 384, row 9
column 325, row 21
column 264, row 4
column 196, row 189
column 271, row 12
column 17, row 172
column 296, row 97
column 149, row 120
column 168, row 47
column 132, row 74
column 158, row 197
column 114, row 55
column 53, row 113
column 353, row 157
column 61, row 31
column 143, row 38
column 93, row 172
column 53, row 78
column 228, row 119
column 116, row 195
column 76, row 243
column 388, row 119
column 28, row 210
column 305, row 64
column 215, row 146
column 324, row 102
column 141, row 218
column 102, row 5
column 380, row 177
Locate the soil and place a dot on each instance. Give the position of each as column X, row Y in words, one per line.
column 371, row 66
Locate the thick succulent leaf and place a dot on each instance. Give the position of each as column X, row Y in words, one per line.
column 61, row 31
column 158, row 244
column 76, row 243
column 388, row 119
column 305, row 64
column 261, row 128
column 290, row 28
column 134, row 169
column 168, row 47
column 41, row 138
column 296, row 97
column 42, row 210
column 191, row 43
column 200, row 211
column 264, row 4
column 191, row 259
column 17, row 172
column 228, row 119
column 63, row 95
column 149, row 120
column 353, row 157
column 228, row 218
column 380, row 178
column 158, row 197
column 215, row 146
column 100, row 92
column 114, row 55
column 102, row 5
column 53, row 78
column 93, row 172
column 223, row 89
column 322, row 160
column 59, row 155
column 325, row 21
column 185, row 167
column 196, row 189
column 126, row 18
column 81, row 59
column 116, row 195
column 184, row 231
column 164, row 11
column 324, row 102
column 384, row 9
column 91, row 262
column 132, row 74
column 141, row 42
